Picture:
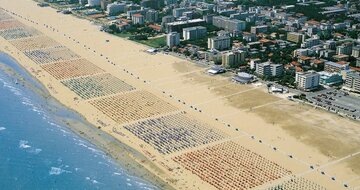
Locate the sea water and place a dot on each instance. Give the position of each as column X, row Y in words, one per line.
column 37, row 151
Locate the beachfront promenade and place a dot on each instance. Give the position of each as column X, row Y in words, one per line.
column 181, row 134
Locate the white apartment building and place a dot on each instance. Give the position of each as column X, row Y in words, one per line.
column 172, row 39
column 307, row 80
column 193, row 33
column 219, row 43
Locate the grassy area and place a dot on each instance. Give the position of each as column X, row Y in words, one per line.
column 155, row 42
column 123, row 34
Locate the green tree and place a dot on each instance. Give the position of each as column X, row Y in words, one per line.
column 114, row 28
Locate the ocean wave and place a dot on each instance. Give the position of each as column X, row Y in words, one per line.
column 8, row 85
column 27, row 103
column 89, row 148
column 147, row 188
column 94, row 150
column 2, row 128
column 92, row 180
column 37, row 110
column 35, row 150
column 82, row 144
column 140, row 182
column 24, row 144
column 59, row 160
column 59, row 127
column 102, row 163
column 13, row 89
column 117, row 173
column 25, row 99
column 57, row 171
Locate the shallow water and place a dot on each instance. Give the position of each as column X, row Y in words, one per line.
column 38, row 151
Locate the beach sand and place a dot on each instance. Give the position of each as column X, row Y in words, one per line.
column 294, row 136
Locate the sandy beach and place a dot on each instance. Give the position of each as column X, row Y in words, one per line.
column 194, row 131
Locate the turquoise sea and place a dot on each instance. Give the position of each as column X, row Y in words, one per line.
column 38, row 150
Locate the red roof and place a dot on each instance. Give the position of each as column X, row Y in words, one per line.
column 264, row 40
column 295, row 63
column 341, row 56
column 338, row 35
column 342, row 62
column 137, row 15
column 313, row 22
column 316, row 61
column 355, row 68
column 155, row 27
column 304, row 58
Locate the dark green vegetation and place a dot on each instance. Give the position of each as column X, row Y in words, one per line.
column 141, row 34
column 202, row 42
column 154, row 42
column 300, row 97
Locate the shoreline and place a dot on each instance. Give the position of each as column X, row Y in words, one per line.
column 105, row 142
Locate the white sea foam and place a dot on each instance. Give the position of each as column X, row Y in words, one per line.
column 27, row 103
column 81, row 141
column 13, row 89
column 18, row 93
column 148, row 188
column 26, row 99
column 2, row 128
column 59, row 127
column 37, row 110
column 140, row 182
column 103, row 163
column 53, row 124
column 116, row 173
column 57, row 171
column 92, row 180
column 89, row 148
column 59, row 160
column 24, row 144
column 94, row 150
column 82, row 144
column 35, row 150
column 128, row 184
